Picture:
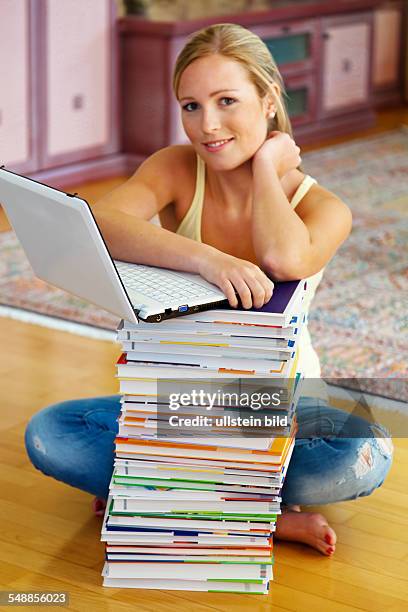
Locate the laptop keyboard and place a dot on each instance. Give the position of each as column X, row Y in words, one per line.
column 162, row 286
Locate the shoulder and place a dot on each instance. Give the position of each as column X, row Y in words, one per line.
column 166, row 172
column 313, row 195
column 318, row 205
column 171, row 163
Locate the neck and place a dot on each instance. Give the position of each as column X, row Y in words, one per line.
column 231, row 189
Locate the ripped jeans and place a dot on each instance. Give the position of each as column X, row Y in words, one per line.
column 73, row 441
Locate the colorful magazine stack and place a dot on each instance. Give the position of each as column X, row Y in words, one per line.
column 199, row 466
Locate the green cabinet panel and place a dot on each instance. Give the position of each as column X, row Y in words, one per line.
column 297, row 101
column 289, row 49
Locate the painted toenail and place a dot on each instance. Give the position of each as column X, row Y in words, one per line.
column 330, row 550
column 327, row 538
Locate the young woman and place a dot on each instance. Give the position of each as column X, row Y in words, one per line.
column 234, row 207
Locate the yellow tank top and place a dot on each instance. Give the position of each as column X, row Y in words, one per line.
column 190, row 227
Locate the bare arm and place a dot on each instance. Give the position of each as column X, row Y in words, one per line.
column 123, row 217
column 290, row 243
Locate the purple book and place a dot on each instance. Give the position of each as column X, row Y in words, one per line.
column 283, row 308
column 284, row 295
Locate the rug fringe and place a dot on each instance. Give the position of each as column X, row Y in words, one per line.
column 71, row 327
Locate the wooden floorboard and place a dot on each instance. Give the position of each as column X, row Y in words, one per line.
column 49, row 538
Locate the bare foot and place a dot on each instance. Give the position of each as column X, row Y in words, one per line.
column 308, row 527
column 98, row 506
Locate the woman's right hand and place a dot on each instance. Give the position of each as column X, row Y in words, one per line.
column 280, row 150
column 237, row 276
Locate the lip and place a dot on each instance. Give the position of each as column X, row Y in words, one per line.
column 217, row 148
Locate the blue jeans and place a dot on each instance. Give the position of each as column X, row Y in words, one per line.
column 73, row 441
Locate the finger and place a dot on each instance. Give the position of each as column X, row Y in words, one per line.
column 243, row 290
column 229, row 292
column 268, row 287
column 265, row 281
column 257, row 290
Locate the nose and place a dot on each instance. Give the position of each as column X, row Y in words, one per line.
column 210, row 121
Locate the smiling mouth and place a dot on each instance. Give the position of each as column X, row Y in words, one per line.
column 217, row 144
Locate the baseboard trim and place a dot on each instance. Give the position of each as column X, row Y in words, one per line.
column 100, row 168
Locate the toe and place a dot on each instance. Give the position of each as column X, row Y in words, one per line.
column 330, row 535
column 323, row 548
column 321, row 545
column 325, row 536
column 98, row 506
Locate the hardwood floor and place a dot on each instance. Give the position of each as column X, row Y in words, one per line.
column 49, row 538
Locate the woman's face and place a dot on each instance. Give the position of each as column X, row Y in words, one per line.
column 222, row 113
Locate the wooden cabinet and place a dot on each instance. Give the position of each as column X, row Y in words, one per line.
column 150, row 114
column 295, row 47
column 65, row 116
column 301, row 100
column 17, row 127
column 58, row 100
column 346, row 74
column 333, row 56
column 77, row 83
column 387, row 53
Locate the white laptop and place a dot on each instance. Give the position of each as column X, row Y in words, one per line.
column 64, row 246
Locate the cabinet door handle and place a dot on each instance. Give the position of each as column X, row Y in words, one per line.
column 285, row 29
column 78, row 102
column 325, row 35
column 346, row 65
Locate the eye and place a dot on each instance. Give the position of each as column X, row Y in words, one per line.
column 227, row 101
column 190, row 106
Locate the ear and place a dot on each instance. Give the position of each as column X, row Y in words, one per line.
column 269, row 109
column 270, row 101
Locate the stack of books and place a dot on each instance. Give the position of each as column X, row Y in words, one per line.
column 206, row 432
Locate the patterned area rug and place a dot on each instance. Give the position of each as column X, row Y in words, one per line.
column 359, row 318
column 21, row 289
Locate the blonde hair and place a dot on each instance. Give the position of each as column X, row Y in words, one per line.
column 239, row 44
